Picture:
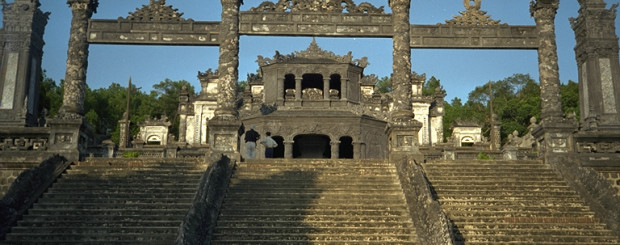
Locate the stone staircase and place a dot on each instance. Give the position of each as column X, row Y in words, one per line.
column 112, row 202
column 314, row 202
column 510, row 202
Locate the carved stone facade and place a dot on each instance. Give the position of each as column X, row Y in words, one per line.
column 21, row 52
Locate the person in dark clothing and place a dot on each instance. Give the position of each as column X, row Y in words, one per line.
column 251, row 136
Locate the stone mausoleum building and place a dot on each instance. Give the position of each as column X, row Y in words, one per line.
column 317, row 104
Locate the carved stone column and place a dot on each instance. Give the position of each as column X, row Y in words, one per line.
column 555, row 133
column 544, row 12
column 357, row 149
column 123, row 141
column 77, row 56
column 229, row 59
column 401, row 76
column 326, row 88
column 403, row 128
column 496, row 140
column 335, row 149
column 288, row 149
column 297, row 89
column 344, row 88
column 223, row 129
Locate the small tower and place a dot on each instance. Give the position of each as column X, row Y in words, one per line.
column 21, row 52
column 599, row 71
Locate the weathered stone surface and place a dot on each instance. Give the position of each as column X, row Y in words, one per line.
column 77, row 56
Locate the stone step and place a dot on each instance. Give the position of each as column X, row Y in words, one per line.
column 439, row 182
column 118, row 200
column 302, row 242
column 461, row 221
column 471, row 225
column 247, row 187
column 570, row 199
column 575, row 239
column 63, row 238
column 80, row 196
column 313, row 212
column 315, row 179
column 502, row 187
column 253, row 163
column 125, row 182
column 96, row 206
column 510, row 214
column 516, row 209
column 121, row 211
column 470, row 179
column 522, row 193
column 234, row 219
column 315, row 238
column 267, row 192
column 371, row 200
column 124, row 190
column 142, row 176
column 315, row 224
column 300, row 228
column 142, row 163
column 44, row 218
column 538, row 232
column 98, row 223
column 95, row 230
column 500, row 203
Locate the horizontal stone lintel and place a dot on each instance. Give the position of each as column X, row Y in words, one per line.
column 156, row 33
column 201, row 33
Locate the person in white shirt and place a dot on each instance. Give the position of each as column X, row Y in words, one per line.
column 269, row 144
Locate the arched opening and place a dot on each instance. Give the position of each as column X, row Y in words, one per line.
column 335, row 84
column 153, row 140
column 312, row 81
column 345, row 149
column 278, row 152
column 311, row 146
column 289, row 83
column 467, row 141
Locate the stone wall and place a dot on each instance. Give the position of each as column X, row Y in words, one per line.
column 613, row 177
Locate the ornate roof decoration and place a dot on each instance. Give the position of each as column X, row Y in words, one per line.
column 313, row 52
column 370, row 80
column 208, row 75
column 334, row 6
column 156, row 11
column 472, row 16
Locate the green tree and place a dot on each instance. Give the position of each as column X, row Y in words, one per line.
column 50, row 95
column 431, row 85
column 570, row 98
column 384, row 85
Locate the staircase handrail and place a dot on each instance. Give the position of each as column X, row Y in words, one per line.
column 432, row 224
column 592, row 187
column 199, row 222
column 27, row 188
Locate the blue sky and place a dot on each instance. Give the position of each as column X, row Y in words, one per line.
column 459, row 70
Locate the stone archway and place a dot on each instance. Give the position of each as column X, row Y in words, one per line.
column 311, row 146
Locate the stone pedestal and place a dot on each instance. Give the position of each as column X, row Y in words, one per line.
column 224, row 137
column 70, row 136
column 403, row 139
column 555, row 136
column 510, row 153
column 288, row 149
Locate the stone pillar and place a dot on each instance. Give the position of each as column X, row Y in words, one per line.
column 123, row 141
column 21, row 52
column 544, row 13
column 77, row 57
column 326, row 88
column 229, row 59
column 555, row 133
column 344, row 88
column 357, row 149
column 403, row 128
column 496, row 138
column 297, row 89
column 335, row 149
column 223, row 133
column 597, row 61
column 288, row 149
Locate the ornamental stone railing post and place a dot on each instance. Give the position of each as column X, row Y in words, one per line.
column 403, row 128
column 77, row 56
column 555, row 133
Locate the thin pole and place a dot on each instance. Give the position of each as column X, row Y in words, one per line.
column 128, row 98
